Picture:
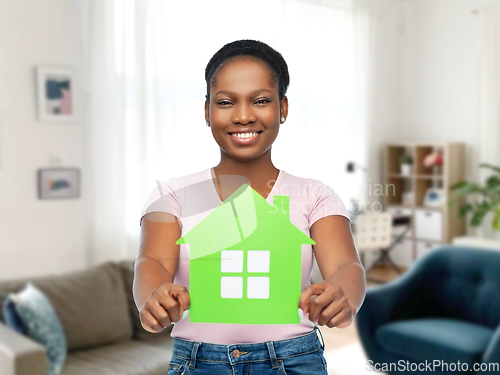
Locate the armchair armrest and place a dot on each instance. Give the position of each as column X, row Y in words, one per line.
column 19, row 355
column 379, row 306
column 383, row 304
column 492, row 353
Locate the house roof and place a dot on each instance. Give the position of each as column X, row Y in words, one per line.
column 237, row 218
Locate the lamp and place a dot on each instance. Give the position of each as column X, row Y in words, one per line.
column 356, row 207
column 351, row 167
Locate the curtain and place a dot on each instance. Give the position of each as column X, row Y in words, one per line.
column 489, row 99
column 144, row 95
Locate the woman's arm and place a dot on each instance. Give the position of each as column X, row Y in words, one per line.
column 158, row 300
column 343, row 290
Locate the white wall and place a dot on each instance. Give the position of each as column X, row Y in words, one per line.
column 387, row 100
column 426, row 86
column 38, row 237
column 439, row 59
column 426, row 76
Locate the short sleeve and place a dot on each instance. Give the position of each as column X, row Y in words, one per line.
column 163, row 198
column 324, row 202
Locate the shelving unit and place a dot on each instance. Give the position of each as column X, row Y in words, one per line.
column 404, row 195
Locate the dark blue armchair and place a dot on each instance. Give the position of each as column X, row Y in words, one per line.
column 444, row 311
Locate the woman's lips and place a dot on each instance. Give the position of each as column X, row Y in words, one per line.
column 244, row 138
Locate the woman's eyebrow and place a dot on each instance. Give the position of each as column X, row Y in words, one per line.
column 227, row 92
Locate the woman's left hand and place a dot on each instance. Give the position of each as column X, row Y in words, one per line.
column 331, row 307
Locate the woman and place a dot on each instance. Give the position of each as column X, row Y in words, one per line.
column 245, row 107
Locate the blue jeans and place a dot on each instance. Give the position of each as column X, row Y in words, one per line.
column 298, row 355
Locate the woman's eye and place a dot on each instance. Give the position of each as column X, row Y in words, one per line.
column 260, row 101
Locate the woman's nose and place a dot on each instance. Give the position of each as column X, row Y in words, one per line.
column 243, row 114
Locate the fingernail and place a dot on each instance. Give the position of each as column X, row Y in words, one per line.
column 185, row 313
column 311, row 323
column 301, row 314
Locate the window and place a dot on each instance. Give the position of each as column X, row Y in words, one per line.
column 257, row 286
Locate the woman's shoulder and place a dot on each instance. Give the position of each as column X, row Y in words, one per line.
column 188, row 179
column 322, row 198
column 171, row 194
column 303, row 182
column 309, row 188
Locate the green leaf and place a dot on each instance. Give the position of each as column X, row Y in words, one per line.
column 477, row 218
column 489, row 192
column 458, row 185
column 469, row 188
column 464, row 208
column 496, row 220
column 405, row 159
column 486, row 205
column 493, row 182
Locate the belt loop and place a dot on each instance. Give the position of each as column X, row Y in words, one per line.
column 322, row 341
column 272, row 354
column 192, row 364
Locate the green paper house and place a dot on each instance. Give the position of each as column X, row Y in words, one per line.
column 245, row 262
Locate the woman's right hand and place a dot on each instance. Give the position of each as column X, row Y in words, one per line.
column 166, row 305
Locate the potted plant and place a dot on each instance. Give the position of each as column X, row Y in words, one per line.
column 405, row 162
column 434, row 159
column 489, row 201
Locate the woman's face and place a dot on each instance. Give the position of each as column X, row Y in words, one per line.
column 244, row 110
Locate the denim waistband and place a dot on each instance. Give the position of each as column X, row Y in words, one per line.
column 237, row 353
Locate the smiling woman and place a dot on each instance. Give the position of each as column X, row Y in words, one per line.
column 242, row 115
column 245, row 106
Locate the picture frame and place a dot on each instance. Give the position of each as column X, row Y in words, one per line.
column 434, row 197
column 58, row 183
column 56, row 92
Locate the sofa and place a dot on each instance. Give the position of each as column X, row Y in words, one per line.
column 101, row 324
column 445, row 308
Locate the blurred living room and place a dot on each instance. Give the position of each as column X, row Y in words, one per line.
column 394, row 104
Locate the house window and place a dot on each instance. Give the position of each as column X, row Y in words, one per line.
column 231, row 287
column 257, row 261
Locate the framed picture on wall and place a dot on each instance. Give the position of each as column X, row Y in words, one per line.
column 58, row 183
column 434, row 197
column 56, row 94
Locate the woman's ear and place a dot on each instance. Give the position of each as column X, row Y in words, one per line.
column 284, row 107
column 207, row 117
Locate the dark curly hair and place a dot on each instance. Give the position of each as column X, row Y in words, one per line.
column 254, row 48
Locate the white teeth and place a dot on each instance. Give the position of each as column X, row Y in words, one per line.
column 244, row 135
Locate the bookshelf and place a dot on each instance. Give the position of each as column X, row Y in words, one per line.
column 431, row 225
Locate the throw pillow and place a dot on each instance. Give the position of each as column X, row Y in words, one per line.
column 42, row 324
column 11, row 317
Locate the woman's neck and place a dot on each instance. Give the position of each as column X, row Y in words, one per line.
column 260, row 173
column 255, row 170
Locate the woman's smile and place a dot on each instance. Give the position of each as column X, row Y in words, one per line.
column 245, row 137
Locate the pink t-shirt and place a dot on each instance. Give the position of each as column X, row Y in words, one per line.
column 193, row 197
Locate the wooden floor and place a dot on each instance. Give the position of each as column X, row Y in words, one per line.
column 338, row 337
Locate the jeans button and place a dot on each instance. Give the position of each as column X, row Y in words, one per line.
column 236, row 353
